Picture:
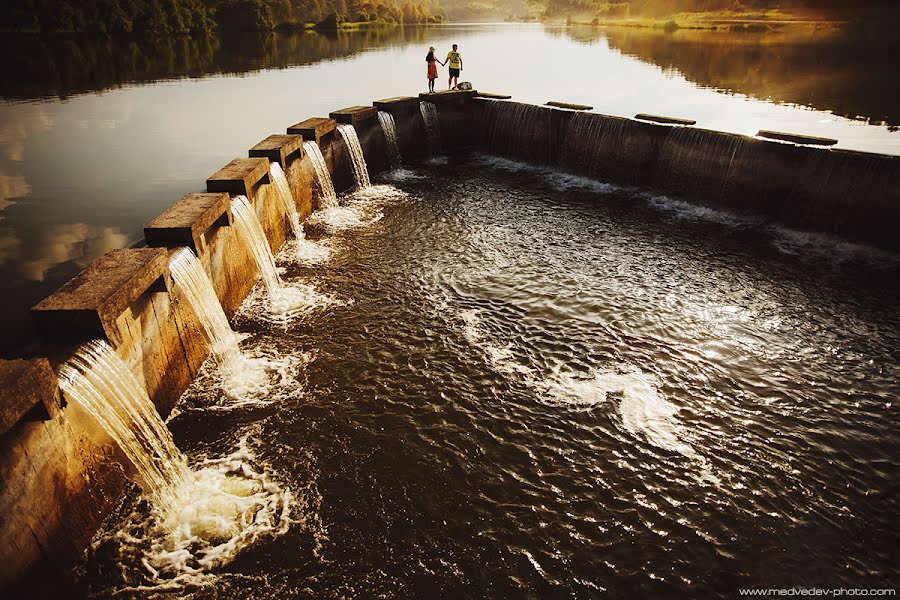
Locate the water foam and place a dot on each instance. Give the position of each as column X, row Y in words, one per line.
column 224, row 506
column 644, row 412
column 360, row 209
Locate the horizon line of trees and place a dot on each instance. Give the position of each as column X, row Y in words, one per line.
column 183, row 17
column 843, row 9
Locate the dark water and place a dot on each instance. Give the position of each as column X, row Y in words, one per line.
column 97, row 137
column 544, row 387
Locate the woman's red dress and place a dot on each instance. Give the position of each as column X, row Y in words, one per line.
column 432, row 69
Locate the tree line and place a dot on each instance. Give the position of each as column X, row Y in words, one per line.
column 838, row 9
column 183, row 17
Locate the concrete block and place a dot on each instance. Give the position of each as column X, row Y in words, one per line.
column 569, row 105
column 187, row 222
column 240, row 176
column 491, row 96
column 664, row 120
column 354, row 115
column 314, row 128
column 92, row 302
column 807, row 140
column 449, row 96
column 398, row 103
column 29, row 391
column 280, row 148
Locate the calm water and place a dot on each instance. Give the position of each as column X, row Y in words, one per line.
column 528, row 385
column 96, row 138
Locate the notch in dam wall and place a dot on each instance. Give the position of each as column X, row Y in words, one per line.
column 31, row 391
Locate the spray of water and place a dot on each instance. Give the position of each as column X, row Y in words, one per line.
column 305, row 251
column 327, row 196
column 432, row 127
column 199, row 518
column 360, row 171
column 389, row 127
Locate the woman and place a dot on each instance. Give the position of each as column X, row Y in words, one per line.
column 432, row 68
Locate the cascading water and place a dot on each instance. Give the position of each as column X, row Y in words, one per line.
column 328, row 198
column 284, row 301
column 198, row 519
column 101, row 384
column 287, row 199
column 518, row 130
column 389, row 127
column 360, row 172
column 250, row 229
column 432, row 127
column 306, row 250
column 189, row 275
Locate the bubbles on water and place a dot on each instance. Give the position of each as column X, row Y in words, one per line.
column 402, row 174
column 686, row 211
column 288, row 302
column 643, row 410
column 500, row 357
column 360, row 209
column 558, row 180
column 224, row 506
column 832, row 249
column 262, row 376
column 305, row 252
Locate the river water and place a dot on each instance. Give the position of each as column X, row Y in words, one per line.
column 531, row 385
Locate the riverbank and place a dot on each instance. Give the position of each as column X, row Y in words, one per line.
column 733, row 21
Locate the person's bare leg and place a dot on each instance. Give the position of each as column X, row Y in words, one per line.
column 450, row 83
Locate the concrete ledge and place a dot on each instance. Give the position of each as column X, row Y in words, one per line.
column 30, row 392
column 397, row 102
column 448, row 96
column 314, row 128
column 491, row 96
column 354, row 115
column 808, row 140
column 239, row 176
column 569, row 105
column 665, row 120
column 279, row 148
column 92, row 301
column 186, row 222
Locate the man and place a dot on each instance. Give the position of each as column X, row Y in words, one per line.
column 455, row 60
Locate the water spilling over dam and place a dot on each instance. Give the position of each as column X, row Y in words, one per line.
column 583, row 355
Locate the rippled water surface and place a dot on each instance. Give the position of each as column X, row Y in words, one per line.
column 536, row 386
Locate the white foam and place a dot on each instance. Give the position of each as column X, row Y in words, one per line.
column 305, row 252
column 226, row 505
column 686, row 211
column 360, row 209
column 644, row 411
column 501, row 358
column 559, row 180
column 402, row 174
column 832, row 249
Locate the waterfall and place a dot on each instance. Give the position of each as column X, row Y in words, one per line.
column 328, row 199
column 250, row 229
column 516, row 130
column 101, row 383
column 190, row 277
column 306, row 251
column 198, row 519
column 287, row 198
column 389, row 127
column 351, row 140
column 432, row 127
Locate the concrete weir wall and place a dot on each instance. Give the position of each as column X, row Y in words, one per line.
column 854, row 195
column 61, row 476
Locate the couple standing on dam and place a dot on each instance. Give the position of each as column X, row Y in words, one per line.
column 456, row 65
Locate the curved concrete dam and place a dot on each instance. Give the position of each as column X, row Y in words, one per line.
column 459, row 346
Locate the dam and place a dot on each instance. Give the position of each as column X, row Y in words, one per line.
column 455, row 342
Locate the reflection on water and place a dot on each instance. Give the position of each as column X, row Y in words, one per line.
column 822, row 72
column 82, row 172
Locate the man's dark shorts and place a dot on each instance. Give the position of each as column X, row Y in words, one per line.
column 454, row 72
